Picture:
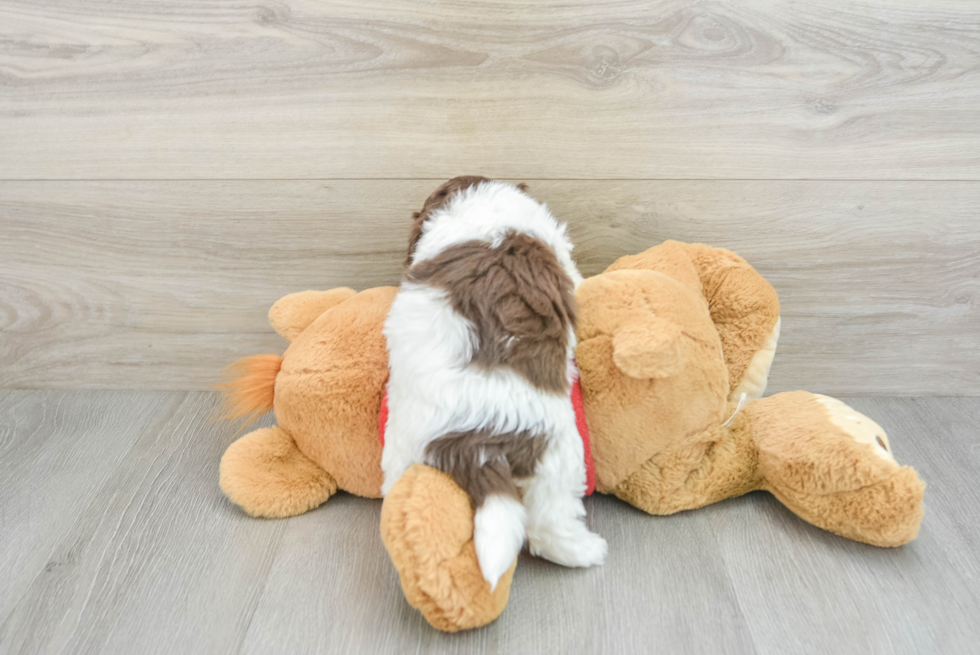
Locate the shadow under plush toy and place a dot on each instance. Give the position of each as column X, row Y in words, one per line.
column 671, row 342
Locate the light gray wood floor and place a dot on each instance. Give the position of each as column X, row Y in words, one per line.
column 114, row 538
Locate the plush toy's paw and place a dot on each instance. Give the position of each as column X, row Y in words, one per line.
column 266, row 475
column 427, row 527
column 578, row 548
column 834, row 467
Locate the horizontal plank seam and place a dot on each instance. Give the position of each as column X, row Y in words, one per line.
column 529, row 179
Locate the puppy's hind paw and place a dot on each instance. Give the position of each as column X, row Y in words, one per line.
column 583, row 550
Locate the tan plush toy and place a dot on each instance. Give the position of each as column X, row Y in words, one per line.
column 671, row 343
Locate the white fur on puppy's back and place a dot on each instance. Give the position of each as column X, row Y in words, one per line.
column 433, row 391
column 498, row 534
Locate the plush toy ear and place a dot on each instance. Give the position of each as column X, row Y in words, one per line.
column 649, row 349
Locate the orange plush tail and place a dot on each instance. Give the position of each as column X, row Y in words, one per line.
column 252, row 381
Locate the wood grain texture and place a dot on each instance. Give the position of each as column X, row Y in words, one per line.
column 871, row 89
column 803, row 590
column 57, row 450
column 158, row 285
column 157, row 560
column 152, row 559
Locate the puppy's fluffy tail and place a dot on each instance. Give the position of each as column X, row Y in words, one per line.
column 481, row 463
column 250, row 389
column 498, row 534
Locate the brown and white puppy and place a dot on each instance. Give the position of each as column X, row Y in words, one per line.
column 481, row 337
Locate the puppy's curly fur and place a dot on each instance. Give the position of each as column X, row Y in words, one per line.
column 480, row 337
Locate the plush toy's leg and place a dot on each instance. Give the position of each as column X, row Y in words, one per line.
column 427, row 527
column 745, row 308
column 709, row 467
column 834, row 468
column 267, row 476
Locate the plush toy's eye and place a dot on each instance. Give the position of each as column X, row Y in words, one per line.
column 881, row 442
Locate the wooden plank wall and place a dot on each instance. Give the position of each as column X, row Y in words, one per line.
column 169, row 169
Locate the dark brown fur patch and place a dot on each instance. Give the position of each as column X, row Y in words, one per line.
column 519, row 298
column 504, row 457
column 436, row 200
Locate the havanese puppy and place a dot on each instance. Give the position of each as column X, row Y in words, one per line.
column 481, row 337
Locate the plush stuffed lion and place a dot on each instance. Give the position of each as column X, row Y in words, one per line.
column 674, row 348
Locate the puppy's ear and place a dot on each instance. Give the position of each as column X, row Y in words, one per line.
column 522, row 186
column 414, row 234
column 541, row 304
